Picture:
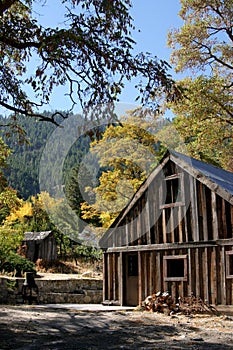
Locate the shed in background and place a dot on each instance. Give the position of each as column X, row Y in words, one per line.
column 40, row 245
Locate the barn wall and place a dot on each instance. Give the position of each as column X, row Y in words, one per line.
column 200, row 215
column 190, row 220
column 206, row 274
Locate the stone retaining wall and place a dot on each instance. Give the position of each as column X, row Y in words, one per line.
column 53, row 291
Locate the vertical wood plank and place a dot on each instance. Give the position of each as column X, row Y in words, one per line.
column 145, row 275
column 109, row 267
column 223, row 276
column 190, row 267
column 114, row 276
column 224, row 221
column 214, row 284
column 151, row 272
column 127, row 232
column 158, row 272
column 180, row 228
column 173, row 291
column 197, row 272
column 194, row 211
column 138, row 227
column 214, row 215
column 148, row 225
column 204, row 212
column 121, row 279
column 206, row 275
column 164, row 226
column 139, row 278
column 104, row 277
column 172, row 225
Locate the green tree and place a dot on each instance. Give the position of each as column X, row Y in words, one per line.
column 204, row 121
column 92, row 53
column 204, row 114
column 205, row 40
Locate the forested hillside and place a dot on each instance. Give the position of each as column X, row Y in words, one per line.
column 23, row 164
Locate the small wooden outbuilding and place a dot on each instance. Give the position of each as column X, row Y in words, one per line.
column 40, row 245
column 175, row 235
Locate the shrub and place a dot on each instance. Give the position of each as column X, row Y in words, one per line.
column 17, row 264
column 88, row 253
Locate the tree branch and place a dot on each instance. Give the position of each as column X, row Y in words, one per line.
column 35, row 115
column 19, row 45
column 5, row 5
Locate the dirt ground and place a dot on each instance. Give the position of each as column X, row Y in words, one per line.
column 34, row 327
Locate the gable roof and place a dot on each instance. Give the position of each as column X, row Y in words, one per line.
column 218, row 180
column 36, row 236
column 219, row 176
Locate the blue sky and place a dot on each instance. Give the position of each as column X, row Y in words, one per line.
column 154, row 18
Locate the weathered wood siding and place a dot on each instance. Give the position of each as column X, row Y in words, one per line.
column 206, row 276
column 198, row 224
column 197, row 218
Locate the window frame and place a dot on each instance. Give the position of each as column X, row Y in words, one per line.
column 229, row 254
column 175, row 278
column 180, row 177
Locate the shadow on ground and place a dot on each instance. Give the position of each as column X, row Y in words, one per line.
column 29, row 328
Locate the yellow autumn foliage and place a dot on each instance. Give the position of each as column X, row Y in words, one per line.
column 24, row 210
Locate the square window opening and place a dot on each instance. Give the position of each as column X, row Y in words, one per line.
column 172, row 191
column 175, row 268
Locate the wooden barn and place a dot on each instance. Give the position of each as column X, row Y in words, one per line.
column 40, row 245
column 175, row 235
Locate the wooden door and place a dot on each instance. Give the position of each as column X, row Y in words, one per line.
column 131, row 279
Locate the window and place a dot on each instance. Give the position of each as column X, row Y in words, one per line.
column 229, row 264
column 172, row 191
column 175, row 267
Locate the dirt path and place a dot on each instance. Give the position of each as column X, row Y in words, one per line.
column 28, row 327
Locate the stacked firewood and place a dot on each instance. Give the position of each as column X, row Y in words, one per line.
column 194, row 305
column 163, row 302
column 160, row 302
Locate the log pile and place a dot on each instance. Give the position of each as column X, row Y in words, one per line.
column 163, row 302
column 194, row 305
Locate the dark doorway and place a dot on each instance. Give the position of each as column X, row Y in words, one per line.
column 131, row 279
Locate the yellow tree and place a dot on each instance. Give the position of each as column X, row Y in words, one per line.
column 127, row 153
